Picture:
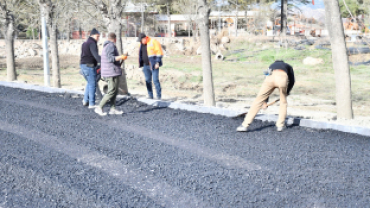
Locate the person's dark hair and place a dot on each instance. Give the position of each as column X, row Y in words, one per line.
column 141, row 36
column 94, row 32
column 112, row 36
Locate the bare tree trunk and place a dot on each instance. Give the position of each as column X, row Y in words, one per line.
column 283, row 19
column 193, row 31
column 7, row 20
column 189, row 29
column 246, row 20
column 191, row 26
column 68, row 30
column 33, row 34
column 142, row 18
column 47, row 7
column 283, row 23
column 68, row 34
column 116, row 27
column 54, row 57
column 208, row 91
column 236, row 22
column 254, row 25
column 80, row 32
column 10, row 60
column 340, row 59
column 196, row 30
column 169, row 21
column 154, row 26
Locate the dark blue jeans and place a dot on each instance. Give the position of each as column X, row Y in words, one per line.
column 98, row 93
column 149, row 75
column 90, row 75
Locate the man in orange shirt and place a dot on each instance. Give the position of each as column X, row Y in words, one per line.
column 150, row 57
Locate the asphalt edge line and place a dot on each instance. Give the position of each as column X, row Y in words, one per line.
column 210, row 110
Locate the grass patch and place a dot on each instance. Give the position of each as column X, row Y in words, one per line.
column 317, row 80
column 196, row 79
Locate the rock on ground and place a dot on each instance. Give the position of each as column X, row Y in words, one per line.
column 312, row 61
column 225, row 40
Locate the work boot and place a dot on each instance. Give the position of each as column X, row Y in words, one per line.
column 99, row 111
column 280, row 128
column 114, row 111
column 85, row 103
column 242, row 128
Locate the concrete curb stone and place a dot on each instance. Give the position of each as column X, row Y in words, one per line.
column 204, row 109
column 339, row 127
column 39, row 88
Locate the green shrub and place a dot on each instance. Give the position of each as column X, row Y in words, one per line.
column 267, row 58
column 29, row 33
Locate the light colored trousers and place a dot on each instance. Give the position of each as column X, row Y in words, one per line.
column 278, row 79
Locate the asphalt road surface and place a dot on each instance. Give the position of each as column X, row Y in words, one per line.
column 56, row 153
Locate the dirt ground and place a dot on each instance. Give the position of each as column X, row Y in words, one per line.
column 236, row 83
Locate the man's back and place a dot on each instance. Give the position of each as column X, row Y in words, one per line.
column 109, row 66
column 287, row 68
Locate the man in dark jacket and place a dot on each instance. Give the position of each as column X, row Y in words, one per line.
column 89, row 64
column 110, row 71
column 150, row 58
column 281, row 76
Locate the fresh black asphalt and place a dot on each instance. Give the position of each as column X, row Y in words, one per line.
column 56, row 153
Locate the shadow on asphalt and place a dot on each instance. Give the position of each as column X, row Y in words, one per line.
column 146, row 110
column 261, row 128
column 122, row 101
column 272, row 124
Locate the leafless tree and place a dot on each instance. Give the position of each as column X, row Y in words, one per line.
column 8, row 30
column 27, row 13
column 49, row 9
column 283, row 19
column 340, row 59
column 65, row 20
column 204, row 10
